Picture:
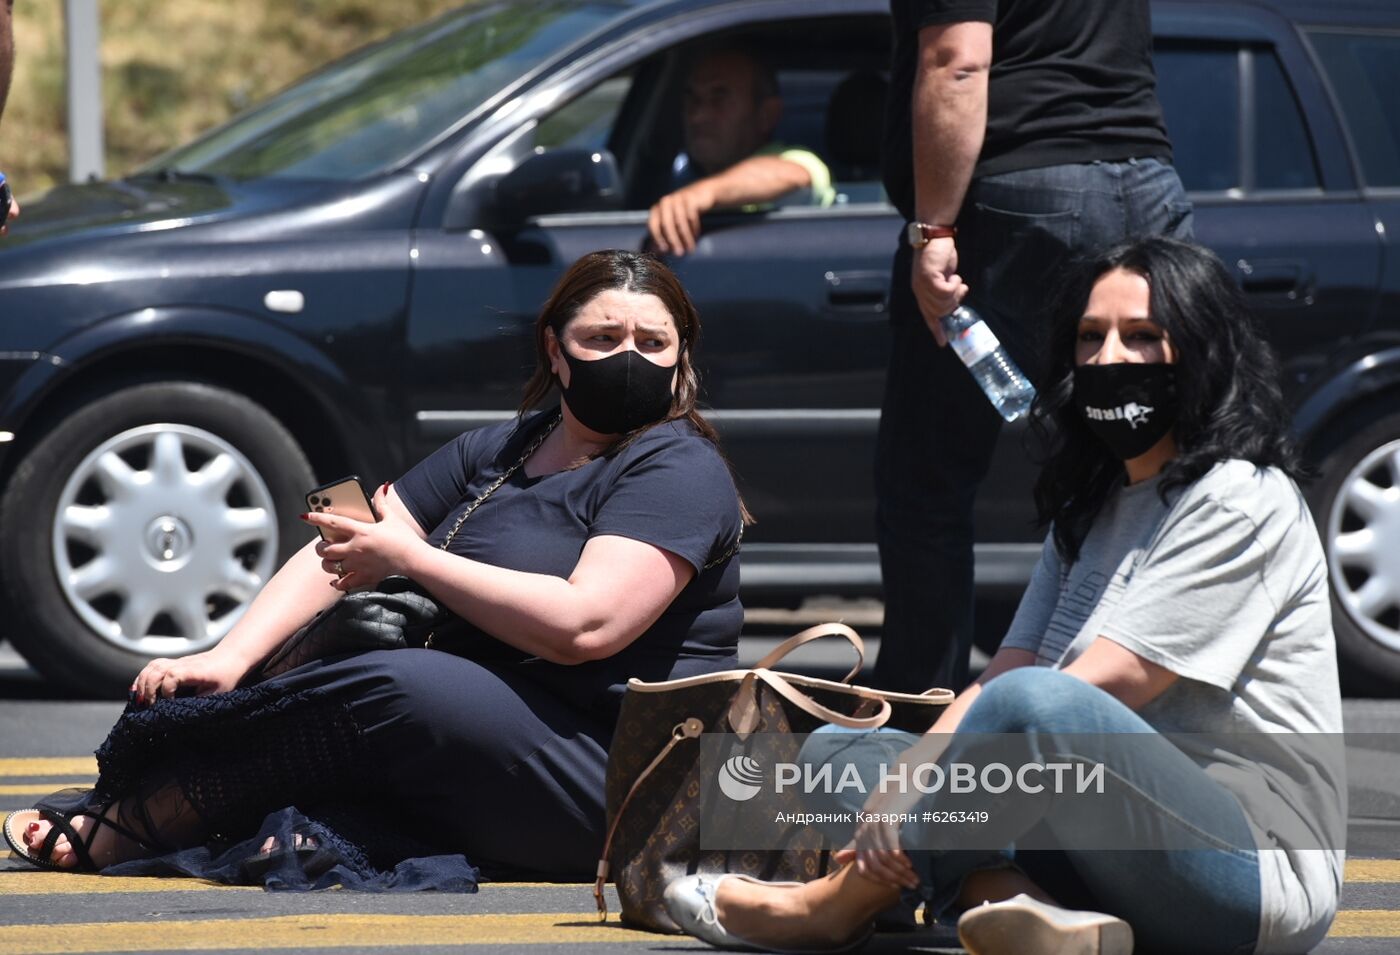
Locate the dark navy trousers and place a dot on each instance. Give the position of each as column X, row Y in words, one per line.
column 476, row 758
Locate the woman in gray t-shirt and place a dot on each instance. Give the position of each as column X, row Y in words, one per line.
column 1176, row 636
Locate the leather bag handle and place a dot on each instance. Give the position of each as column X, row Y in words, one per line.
column 684, row 730
column 816, row 633
column 825, row 713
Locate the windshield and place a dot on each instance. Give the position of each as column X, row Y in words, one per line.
column 378, row 107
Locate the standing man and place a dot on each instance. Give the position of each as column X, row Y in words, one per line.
column 7, row 66
column 1019, row 133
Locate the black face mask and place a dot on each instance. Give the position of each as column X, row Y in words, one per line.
column 619, row 393
column 1130, row 406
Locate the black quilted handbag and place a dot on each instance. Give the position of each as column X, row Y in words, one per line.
column 398, row 613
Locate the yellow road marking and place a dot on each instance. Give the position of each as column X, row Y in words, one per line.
column 40, row 789
column 314, row 931
column 1360, row 871
column 1373, row 870
column 383, row 931
column 49, row 766
column 537, row 885
column 36, row 882
column 46, row 882
column 1364, row 923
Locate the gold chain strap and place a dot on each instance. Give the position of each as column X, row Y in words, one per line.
column 505, row 476
column 525, row 456
column 733, row 549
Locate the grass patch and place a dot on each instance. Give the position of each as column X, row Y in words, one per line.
column 174, row 68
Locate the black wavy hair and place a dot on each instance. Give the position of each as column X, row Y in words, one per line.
column 1231, row 405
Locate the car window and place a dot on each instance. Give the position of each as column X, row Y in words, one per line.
column 587, row 121
column 377, row 107
column 1199, row 85
column 830, row 73
column 834, row 113
column 838, row 114
column 1205, row 141
column 1283, row 153
column 1365, row 74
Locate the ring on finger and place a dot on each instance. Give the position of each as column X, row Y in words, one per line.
column 339, row 569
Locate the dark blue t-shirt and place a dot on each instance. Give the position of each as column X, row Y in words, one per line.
column 669, row 488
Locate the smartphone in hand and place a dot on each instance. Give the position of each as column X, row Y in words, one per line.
column 345, row 497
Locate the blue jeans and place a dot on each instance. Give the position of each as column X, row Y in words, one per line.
column 937, row 431
column 1199, row 900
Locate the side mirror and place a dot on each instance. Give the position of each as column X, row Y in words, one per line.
column 561, row 180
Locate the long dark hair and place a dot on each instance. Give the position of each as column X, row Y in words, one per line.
column 620, row 270
column 1231, row 405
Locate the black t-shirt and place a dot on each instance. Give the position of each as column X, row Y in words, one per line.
column 669, row 487
column 1071, row 82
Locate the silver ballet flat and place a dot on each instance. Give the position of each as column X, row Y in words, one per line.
column 691, row 902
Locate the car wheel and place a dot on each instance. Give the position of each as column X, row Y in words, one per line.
column 143, row 525
column 1357, row 506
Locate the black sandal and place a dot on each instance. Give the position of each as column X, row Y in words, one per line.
column 308, row 855
column 60, row 824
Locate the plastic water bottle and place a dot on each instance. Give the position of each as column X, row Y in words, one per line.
column 1009, row 391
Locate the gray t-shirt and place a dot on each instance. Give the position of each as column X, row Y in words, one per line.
column 1226, row 587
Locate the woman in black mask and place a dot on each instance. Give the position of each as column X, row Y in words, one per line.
column 1183, row 591
column 580, row 545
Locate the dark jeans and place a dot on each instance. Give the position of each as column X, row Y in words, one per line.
column 937, row 431
column 1201, row 897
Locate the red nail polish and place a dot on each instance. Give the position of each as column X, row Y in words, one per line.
column 302, row 516
column 33, row 828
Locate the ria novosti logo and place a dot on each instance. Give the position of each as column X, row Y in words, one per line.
column 740, row 778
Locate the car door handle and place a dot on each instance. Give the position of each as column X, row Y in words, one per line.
column 1289, row 279
column 858, row 291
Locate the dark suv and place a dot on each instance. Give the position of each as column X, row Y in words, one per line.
column 343, row 278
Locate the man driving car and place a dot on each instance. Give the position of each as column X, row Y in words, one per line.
column 732, row 106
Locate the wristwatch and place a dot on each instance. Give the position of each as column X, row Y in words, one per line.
column 919, row 234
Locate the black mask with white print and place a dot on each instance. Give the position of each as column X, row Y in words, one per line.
column 1129, row 406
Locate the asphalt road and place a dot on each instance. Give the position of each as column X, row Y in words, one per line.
column 46, row 743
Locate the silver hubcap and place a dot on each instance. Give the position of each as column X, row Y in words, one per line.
column 1364, row 559
column 162, row 537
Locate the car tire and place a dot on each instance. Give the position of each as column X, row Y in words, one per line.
column 1356, row 505
column 134, row 512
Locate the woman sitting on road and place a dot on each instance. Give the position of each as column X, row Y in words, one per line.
column 1182, row 590
column 609, row 551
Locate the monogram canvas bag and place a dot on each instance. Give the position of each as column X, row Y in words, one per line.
column 656, row 772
